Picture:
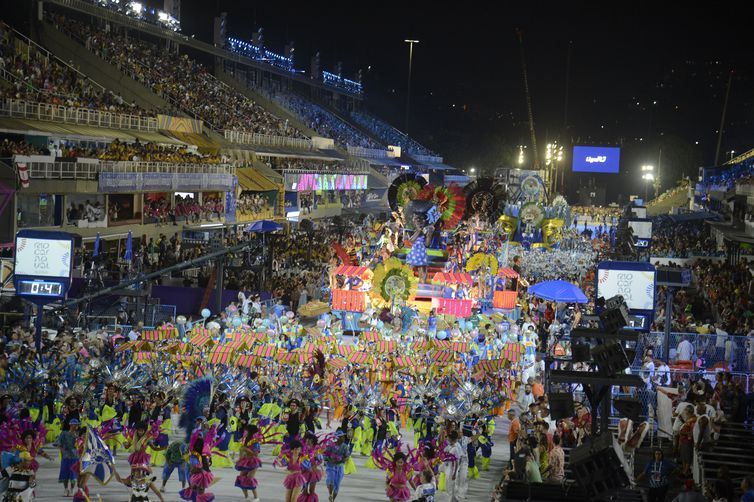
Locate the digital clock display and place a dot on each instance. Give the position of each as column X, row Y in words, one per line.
column 40, row 288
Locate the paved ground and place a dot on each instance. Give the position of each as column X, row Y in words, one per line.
column 364, row 485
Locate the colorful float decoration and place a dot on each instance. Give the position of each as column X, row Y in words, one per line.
column 506, row 289
column 404, row 189
column 392, row 281
column 449, row 201
column 454, row 300
column 350, row 285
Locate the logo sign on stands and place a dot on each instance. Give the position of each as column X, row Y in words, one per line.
column 43, row 257
column 596, row 159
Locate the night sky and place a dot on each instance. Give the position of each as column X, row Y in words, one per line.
column 673, row 63
column 642, row 77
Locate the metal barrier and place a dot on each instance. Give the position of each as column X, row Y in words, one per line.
column 89, row 171
column 709, row 350
column 254, row 138
column 16, row 108
column 434, row 159
column 370, row 153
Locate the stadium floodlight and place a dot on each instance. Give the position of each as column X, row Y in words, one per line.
column 163, row 16
column 136, row 7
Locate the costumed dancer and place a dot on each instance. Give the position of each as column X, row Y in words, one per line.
column 137, row 442
column 219, row 411
column 292, row 459
column 397, row 473
column 140, row 481
column 312, row 470
column 175, row 458
column 336, row 456
column 23, row 435
column 487, row 428
column 249, row 461
column 421, row 239
column 21, row 479
column 425, row 462
column 455, row 468
column 69, row 454
column 197, row 395
column 200, row 460
column 427, row 489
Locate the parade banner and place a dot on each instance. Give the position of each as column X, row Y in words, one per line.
column 513, row 351
column 360, row 358
column 179, row 124
column 385, row 347
column 144, row 357
column 158, row 182
column 344, row 350
column 404, row 362
column 200, row 339
column 266, row 351
column 247, row 361
column 154, row 335
column 460, row 347
column 220, row 355
column 371, row 336
column 443, row 357
column 489, row 366
column 337, row 364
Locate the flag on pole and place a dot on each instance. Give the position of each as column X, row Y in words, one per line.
column 129, row 247
column 96, row 245
column 97, row 458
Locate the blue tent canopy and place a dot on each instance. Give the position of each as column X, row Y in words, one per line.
column 558, row 291
column 264, row 226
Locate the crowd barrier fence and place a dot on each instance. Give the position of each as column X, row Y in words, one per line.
column 731, row 352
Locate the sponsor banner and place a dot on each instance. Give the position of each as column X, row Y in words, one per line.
column 152, row 182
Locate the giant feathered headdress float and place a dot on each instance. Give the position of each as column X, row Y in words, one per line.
column 196, row 397
column 448, row 200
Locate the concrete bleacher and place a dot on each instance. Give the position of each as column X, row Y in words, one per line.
column 100, row 70
column 734, row 449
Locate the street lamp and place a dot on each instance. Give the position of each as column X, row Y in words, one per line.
column 408, row 92
column 521, row 155
column 648, row 176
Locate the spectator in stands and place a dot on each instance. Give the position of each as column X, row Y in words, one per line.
column 41, row 77
column 188, row 85
column 685, row 350
column 9, row 147
column 724, row 488
column 513, row 432
column 391, row 135
column 747, row 487
column 525, row 398
column 689, row 493
column 324, row 122
column 556, row 474
column 657, row 471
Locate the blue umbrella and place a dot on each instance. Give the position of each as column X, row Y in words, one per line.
column 129, row 248
column 558, row 291
column 264, row 226
column 96, row 246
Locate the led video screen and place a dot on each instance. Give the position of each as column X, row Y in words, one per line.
column 596, row 159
